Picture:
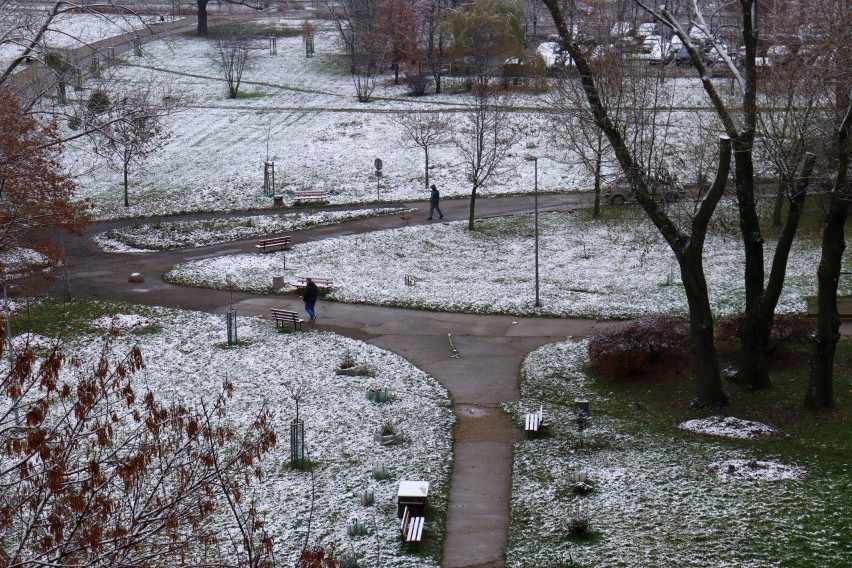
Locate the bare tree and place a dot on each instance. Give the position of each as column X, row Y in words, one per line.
column 425, row 129
column 820, row 390
column 356, row 22
column 233, row 54
column 98, row 472
column 485, row 136
column 638, row 155
column 585, row 141
column 130, row 129
column 830, row 34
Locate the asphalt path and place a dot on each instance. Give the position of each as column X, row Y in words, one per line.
column 482, row 376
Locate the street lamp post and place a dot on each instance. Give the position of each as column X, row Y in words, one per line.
column 534, row 160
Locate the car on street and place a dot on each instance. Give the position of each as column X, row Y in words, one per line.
column 618, row 191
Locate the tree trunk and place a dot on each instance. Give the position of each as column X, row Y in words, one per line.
column 708, row 382
column 426, row 150
column 754, row 333
column 779, row 204
column 757, row 321
column 202, row 18
column 472, row 207
column 126, row 197
column 820, row 391
column 596, row 211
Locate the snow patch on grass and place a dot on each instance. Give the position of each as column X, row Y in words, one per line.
column 654, row 503
column 186, row 360
column 32, row 341
column 180, row 234
column 588, row 268
column 755, row 470
column 728, row 427
column 122, row 322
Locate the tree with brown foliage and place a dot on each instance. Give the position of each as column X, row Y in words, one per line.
column 36, row 197
column 98, row 472
column 397, row 26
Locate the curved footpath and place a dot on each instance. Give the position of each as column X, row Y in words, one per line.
column 484, row 375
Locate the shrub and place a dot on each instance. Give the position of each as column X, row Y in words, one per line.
column 347, row 360
column 727, row 328
column 56, row 61
column 578, row 524
column 98, row 102
column 636, row 347
column 418, row 82
column 784, row 328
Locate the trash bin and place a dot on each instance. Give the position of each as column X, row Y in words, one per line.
column 277, row 282
column 412, row 494
column 278, row 200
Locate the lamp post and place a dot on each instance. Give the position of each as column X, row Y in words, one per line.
column 534, row 160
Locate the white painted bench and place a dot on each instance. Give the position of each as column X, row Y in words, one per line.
column 322, row 283
column 534, row 421
column 314, row 195
column 411, row 527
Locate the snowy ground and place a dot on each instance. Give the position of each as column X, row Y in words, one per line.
column 588, row 268
column 655, row 502
column 179, row 234
column 185, row 361
column 70, row 30
column 302, row 114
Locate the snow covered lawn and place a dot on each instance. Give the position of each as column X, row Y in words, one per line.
column 185, row 361
column 662, row 496
column 588, row 268
column 179, row 234
column 302, row 114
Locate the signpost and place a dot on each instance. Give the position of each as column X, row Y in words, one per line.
column 378, row 164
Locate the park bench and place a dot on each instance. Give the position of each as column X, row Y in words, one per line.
column 286, row 317
column 268, row 244
column 322, row 283
column 311, row 195
column 534, row 421
column 411, row 527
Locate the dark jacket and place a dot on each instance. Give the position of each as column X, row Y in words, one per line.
column 311, row 293
column 435, row 197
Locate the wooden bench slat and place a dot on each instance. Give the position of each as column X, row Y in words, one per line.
column 283, row 317
column 533, row 421
column 411, row 527
column 415, row 529
column 282, row 242
column 321, row 283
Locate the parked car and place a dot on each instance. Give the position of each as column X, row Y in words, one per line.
column 619, row 191
column 681, row 56
column 554, row 55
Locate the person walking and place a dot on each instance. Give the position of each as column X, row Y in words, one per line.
column 310, row 298
column 433, row 203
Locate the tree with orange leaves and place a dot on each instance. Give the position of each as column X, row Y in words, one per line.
column 36, row 197
column 96, row 471
column 397, row 26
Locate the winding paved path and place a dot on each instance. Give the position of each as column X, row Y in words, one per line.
column 485, row 374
